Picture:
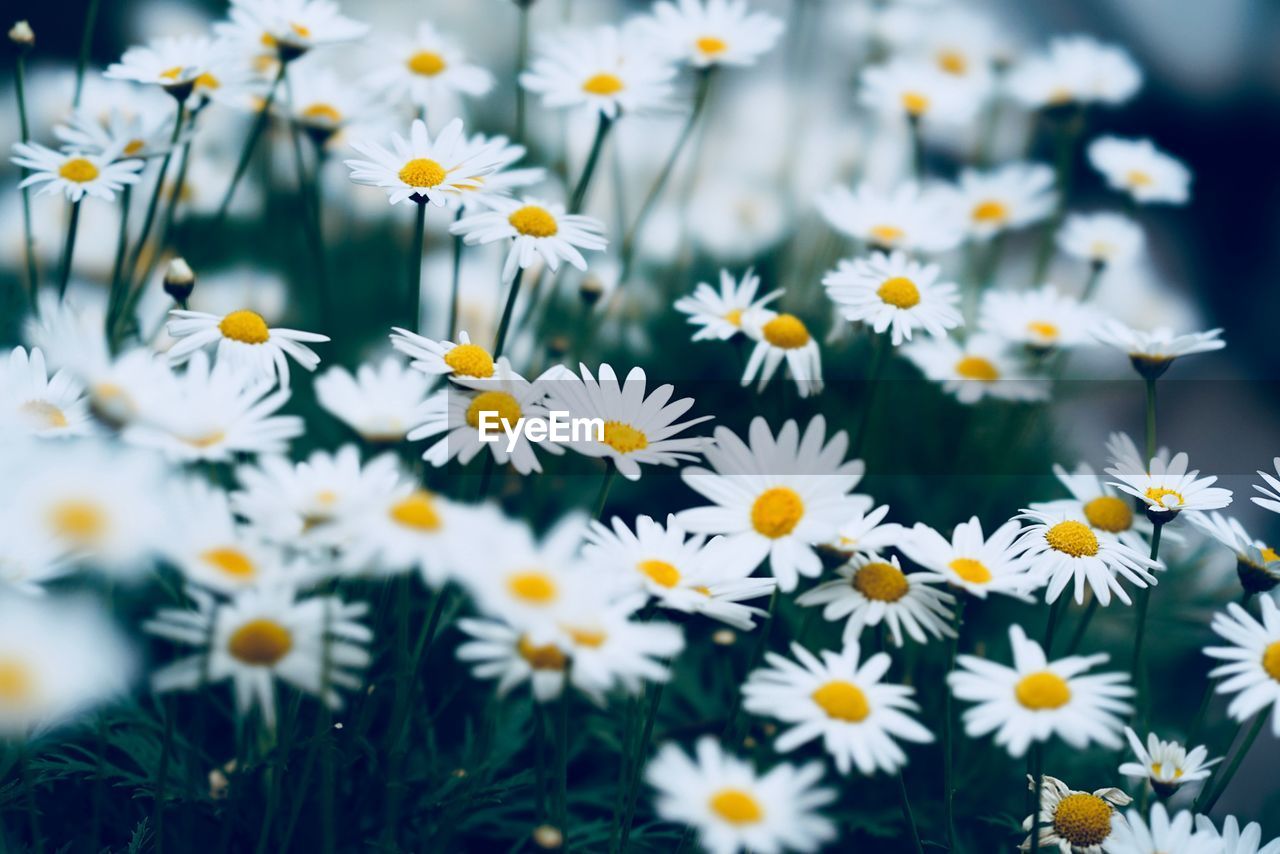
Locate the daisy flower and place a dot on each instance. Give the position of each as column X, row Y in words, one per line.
column 1036, row 699
column 1137, row 167
column 1063, row 550
column 1074, row 822
column 1252, row 662
column 444, row 358
column 1159, row 835
column 38, row 404
column 495, row 650
column 316, row 644
column 1271, row 491
column 864, row 534
column 1102, row 239
column 142, row 132
column 720, row 313
column 537, row 229
column 499, row 183
column 976, row 565
column 894, row 293
column 173, row 63
column 600, row 70
column 1166, row 764
column 1042, row 319
column 1153, row 352
column 1011, row 196
column 776, row 498
column 639, row 427
column 1257, row 564
column 911, row 217
column 918, row 91
column 75, row 175
column 428, row 70
column 981, row 366
column 380, row 402
column 1096, row 503
column 1235, row 840
column 420, row 169
column 1169, row 487
column 859, row 718
column 782, row 338
column 292, row 27
column 871, row 590
column 1075, row 70
column 243, row 340
column 322, row 102
column 409, row 528
column 29, row 557
column 733, row 808
column 964, row 43
column 707, row 33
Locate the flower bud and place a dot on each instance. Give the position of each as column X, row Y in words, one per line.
column 179, row 281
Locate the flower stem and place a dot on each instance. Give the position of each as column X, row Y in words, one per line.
column 907, row 815
column 1067, row 132
column 917, row 148
column 1136, row 666
column 1082, row 626
column 562, row 759
column 505, row 322
column 29, row 241
column 309, row 198
column 175, row 196
column 879, row 355
column 1096, row 269
column 29, row 795
column 457, row 278
column 948, row 726
column 602, row 497
column 589, row 168
column 162, row 774
column 1221, row 784
column 251, row 142
column 413, row 295
column 522, row 59
column 730, row 734
column 116, row 295
column 1151, row 420
column 69, row 248
column 1037, row 775
column 638, row 752
column 86, row 43
column 1051, row 626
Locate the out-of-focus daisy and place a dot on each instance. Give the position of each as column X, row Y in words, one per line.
column 706, row 33
column 380, row 402
column 316, row 644
column 866, row 533
column 1102, row 239
column 1041, row 319
column 244, row 341
column 1159, row 834
column 428, row 70
column 444, row 358
column 964, row 43
column 599, row 69
column 976, row 565
column 500, row 182
column 1153, row 352
column 33, row 402
column 919, row 91
column 29, row 557
column 782, row 338
column 911, row 217
column 872, row 590
column 420, row 169
column 776, row 497
column 174, row 63
column 640, row 427
column 1170, row 487
column 76, row 175
column 1167, row 765
column 980, row 366
column 1271, row 492
column 495, row 650
column 408, row 528
column 537, row 229
column 1009, row 197
column 733, row 808
column 720, row 313
column 859, row 718
column 1096, row 503
column 1252, row 662
column 1073, row 822
column 292, row 27
column 1137, row 167
column 1075, row 70
column 1036, row 699
column 322, row 101
column 1063, row 550
column 1125, row 456
column 1257, row 564
column 1236, row 840
column 894, row 293
column 143, row 132
column 211, row 549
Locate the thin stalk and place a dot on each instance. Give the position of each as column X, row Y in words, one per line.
column 505, row 322
column 522, row 59
column 1151, row 419
column 454, row 285
column 948, row 738
column 1051, row 626
column 116, row 295
column 1082, row 626
column 29, row 241
column 175, row 196
column 1096, row 269
column 162, row 775
column 762, row 641
column 917, row 147
column 1136, row 666
column 309, row 197
column 879, row 355
column 414, row 293
column 1067, row 133
column 86, row 43
column 907, row 815
column 69, row 248
column 562, row 759
column 638, row 754
column 589, row 168
column 602, row 497
column 1202, row 712
column 29, row 795
column 1220, row 785
column 251, row 142
column 1037, row 775
column 540, row 760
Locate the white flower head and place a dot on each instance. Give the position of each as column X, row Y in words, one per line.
column 421, row 169
column 601, row 70
column 1064, row 550
column 1167, row 765
column 142, row 132
column 1251, row 662
column 892, row 293
column 720, row 313
column 1159, row 834
column 918, row 91
column 1098, row 504
column 1236, row 839
column 971, row 563
column 1074, row 822
column 782, row 339
column 537, row 230
column 292, row 27
column 76, row 175
column 174, row 63
column 243, row 339
column 429, row 70
column 707, row 33
column 979, row 367
column 1270, row 492
column 381, row 401
column 1103, row 239
column 35, row 403
column 1040, row 319
column 1169, row 487
column 912, row 217
column 1075, row 70
column 1009, row 197
column 871, row 590
column 1137, row 167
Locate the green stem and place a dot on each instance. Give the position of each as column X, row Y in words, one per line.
column 309, row 198
column 589, row 168
column 562, row 760
column 175, row 195
column 1067, row 133
column 1078, row 636
column 540, row 759
column 907, row 815
column 1037, row 774
column 505, row 322
column 1051, row 625
column 879, row 356
column 948, row 727
column 522, row 59
column 917, row 147
column 1151, row 420
column 116, row 296
column 454, row 286
column 29, row 795
column 29, row 241
column 68, row 248
column 1136, row 666
column 730, row 734
column 1096, row 269
column 1221, row 784
column 162, row 774
column 251, row 142
column 602, row 497
column 414, row 293
column 1193, row 731
column 638, row 752
column 86, row 43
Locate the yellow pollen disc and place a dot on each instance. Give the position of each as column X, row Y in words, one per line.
column 16, row 682
column 1269, row 554
column 322, row 111
column 133, row 147
column 886, row 235
column 205, row 440
column 843, row 701
column 1043, row 329
column 1109, row 513
column 603, row 83
column 624, row 438
column 881, row 581
column 736, row 806
column 171, row 73
column 470, row 360
column 231, row 562
column 417, row 511
column 660, row 572
column 1082, row 819
column 428, row 63
column 326, row 496
column 973, row 571
column 79, row 170
column 711, row 45
column 1042, row 690
column 261, row 642
column 991, row 211
column 786, row 331
column 586, row 637
column 268, row 40
column 1156, row 768
column 547, row 657
column 245, row 326
column 208, row 81
column 533, row 587
column 915, row 103
column 977, row 368
column 1158, row 495
column 952, row 61
column 1271, row 660
column 1059, row 97
column 79, row 521
column 705, row 591
column 1072, row 538
column 1138, row 178
column 776, row 512
column 301, row 30
column 500, row 403
column 422, row 172
column 734, row 316
column 44, row 414
column 899, row 292
column 534, row 221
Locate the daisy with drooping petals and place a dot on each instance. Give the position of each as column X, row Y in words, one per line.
column 1237, row 840
column 720, row 314
column 859, row 718
column 980, row 366
column 444, row 358
column 782, row 338
column 75, row 175
column 408, row 528
column 420, row 169
column 380, row 402
column 976, row 565
column 1103, row 239
column 1064, row 550
column 174, row 63
column 911, row 217
column 1137, row 167
column 1169, row 487
column 1012, row 196
column 601, row 70
column 1074, row 822
column 1252, row 662
column 776, row 498
column 1075, row 70
column 1271, row 492
column 1036, row 699
column 35, row 403
column 893, row 293
column 1257, row 564
column 292, row 27
column 429, row 70
column 244, row 341
column 872, row 590
column 1096, row 503
column 864, row 534
column 733, row 808
column 537, row 229
column 1167, row 765
column 1042, row 319
column 920, row 92
column 1153, row 352
column 1159, row 834
column 707, row 33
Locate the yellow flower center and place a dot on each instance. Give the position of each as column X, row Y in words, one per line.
column 842, row 701
column 1138, row 178
column 16, row 682
column 915, row 103
column 1060, row 96
column 132, row 147
column 499, row 403
column 899, row 292
column 1271, row 660
column 44, row 415
column 245, row 326
column 79, row 170
column 736, row 806
column 712, row 45
column 1109, row 513
column 81, row 522
column 886, row 235
column 952, row 61
column 171, row 73
column 205, row 440
column 734, row 316
column 624, row 438
column 322, row 111
column 301, row 30
column 470, row 360
column 231, row 562
column 533, row 587
column 262, row 642
column 422, row 172
column 776, row 512
column 786, row 331
column 991, row 211
column 417, row 511
column 1082, row 819
column 1072, row 538
column 1042, row 690
column 1160, row 495
column 881, row 581
column 660, row 572
column 534, row 221
column 593, row 638
column 208, row 81
column 428, row 63
column 973, row 571
column 603, row 83
column 977, row 368
column 1043, row 329
column 547, row 657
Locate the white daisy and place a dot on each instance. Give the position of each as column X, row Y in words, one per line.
column 537, row 229
column 499, row 183
column 322, row 101
column 1063, row 550
column 1167, row 765
column 911, row 217
column 497, row 651
column 1075, row 70
column 291, row 26
column 174, row 63
column 1095, row 502
column 1153, row 352
column 720, row 314
column 602, row 70
column 1011, row 196
column 609, row 650
column 244, row 341
column 864, row 534
column 1102, row 239
column 1169, row 487
column 1159, row 835
column 381, row 402
column 444, row 358
column 1271, row 501
column 29, row 557
column 894, row 293
column 141, row 132
column 976, row 565
column 1236, row 840
column 1257, row 564
column 1074, row 822
column 1040, row 319
column 980, row 366
column 1252, row 662
column 35, row 403
column 919, row 91
column 1137, row 167
column 782, row 338
column 871, row 590
column 75, row 175
column 706, row 33
column 964, row 42
column 423, row 170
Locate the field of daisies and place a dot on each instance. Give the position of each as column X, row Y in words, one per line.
column 668, row 425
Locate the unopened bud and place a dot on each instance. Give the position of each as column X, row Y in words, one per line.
column 179, row 281
column 558, row 345
column 22, row 35
column 548, row 837
column 591, row 290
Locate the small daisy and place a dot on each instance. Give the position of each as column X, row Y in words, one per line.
column 537, row 229
column 292, row 27
column 76, row 175
column 859, row 718
column 720, row 314
column 420, row 169
column 243, row 340
column 971, row 563
column 29, row 557
column 776, row 498
column 380, row 402
column 639, row 427
column 872, row 590
column 1036, row 699
column 1137, row 167
column 964, row 43
column 981, row 366
column 143, row 132
column 1012, row 196
column 408, row 528
column 1272, row 500
column 893, row 293
column 1169, row 487
column 316, row 644
column 499, row 183
column 429, row 70
column 1153, row 352
column 1075, row 70
column 1257, row 564
column 1236, row 840
column 173, row 63
column 1167, row 765
column 919, row 91
column 782, row 338
column 1042, row 319
column 1252, row 660
column 733, row 808
column 707, row 33
column 864, row 534
column 911, row 218
column 1096, row 503
column 444, row 358
column 38, row 404
column 1159, row 835
column 1074, row 822
column 322, row 101
column 497, row 651
column 1063, row 550
column 600, row 70
column 1102, row 239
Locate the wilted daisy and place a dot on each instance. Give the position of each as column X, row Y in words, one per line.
column 1236, row 840
column 1075, row 70
column 976, row 565
column 782, row 338
column 1041, row 319
column 871, row 590
column 776, row 497
column 1153, row 352
column 142, row 132
column 894, row 293
column 444, row 358
column 1064, row 550
column 537, row 229
column 919, row 91
column 733, row 808
column 1102, row 239
column 1169, row 487
column 380, row 402
column 1252, row 660
column 1271, row 501
column 244, row 341
column 911, row 217
column 720, row 313
column 1167, row 765
column 35, row 403
column 76, row 175
column 859, row 718
column 601, row 70
column 1137, row 167
column 1257, row 564
column 428, row 70
column 408, row 528
column 211, row 549
column 174, row 63
column 1159, row 834
column 1074, row 822
column 420, row 169
column 1008, row 197
column 1036, row 699
column 315, row 644
column 292, row 27
column 706, row 33
column 981, row 366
